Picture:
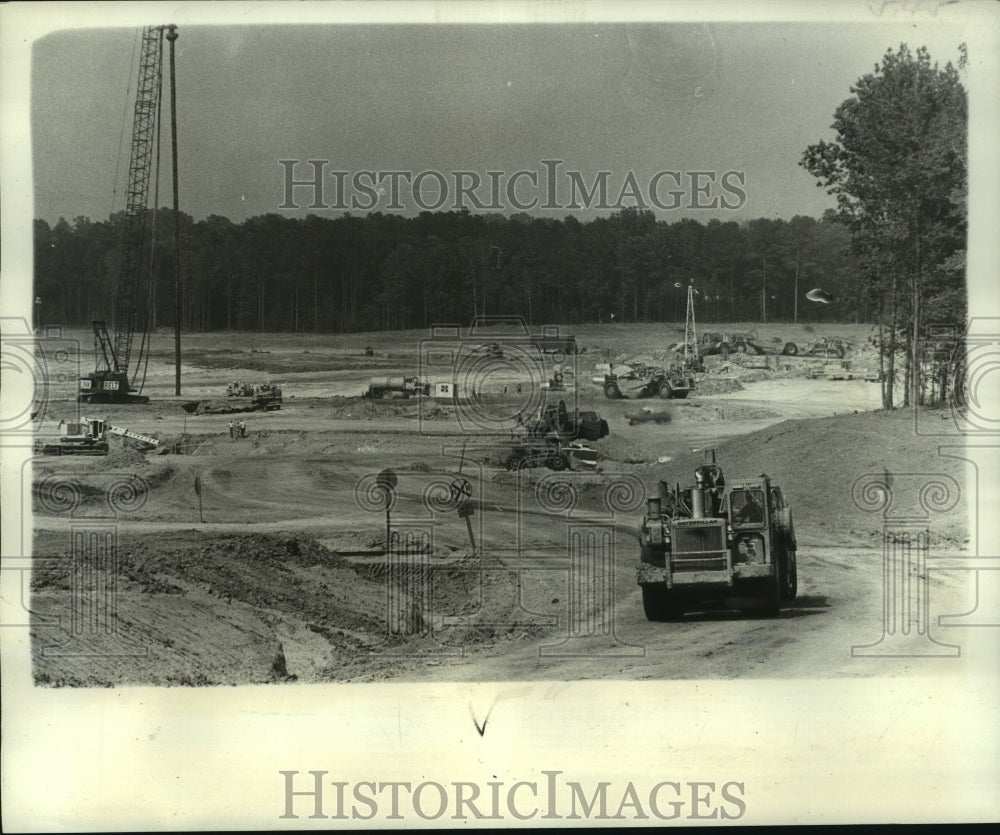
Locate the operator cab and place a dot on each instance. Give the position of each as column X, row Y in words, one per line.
column 746, row 506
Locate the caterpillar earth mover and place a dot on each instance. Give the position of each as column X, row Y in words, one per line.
column 646, row 381
column 719, row 543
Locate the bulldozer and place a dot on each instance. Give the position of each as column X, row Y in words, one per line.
column 729, row 544
column 267, row 396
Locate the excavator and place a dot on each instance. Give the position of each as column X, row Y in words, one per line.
column 122, row 353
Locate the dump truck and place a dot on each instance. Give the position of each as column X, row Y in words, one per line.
column 717, row 543
column 388, row 387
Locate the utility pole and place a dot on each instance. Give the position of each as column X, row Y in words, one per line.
column 795, row 309
column 172, row 37
column 763, row 295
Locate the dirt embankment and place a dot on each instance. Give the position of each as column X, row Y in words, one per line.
column 818, row 464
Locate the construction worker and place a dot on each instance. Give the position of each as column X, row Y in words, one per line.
column 243, row 429
column 232, row 431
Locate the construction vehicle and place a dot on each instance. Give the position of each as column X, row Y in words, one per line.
column 747, row 342
column 830, row 347
column 717, row 543
column 537, row 453
column 557, row 382
column 647, row 381
column 237, row 389
column 583, row 453
column 266, row 395
column 555, row 344
column 648, row 415
column 557, row 422
column 493, row 350
column 389, row 387
column 120, row 372
column 90, row 437
column 554, row 437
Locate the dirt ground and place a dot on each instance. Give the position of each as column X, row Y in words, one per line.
column 276, row 571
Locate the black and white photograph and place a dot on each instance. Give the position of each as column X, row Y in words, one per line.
column 499, row 414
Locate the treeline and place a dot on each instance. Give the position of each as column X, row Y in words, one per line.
column 383, row 271
column 899, row 170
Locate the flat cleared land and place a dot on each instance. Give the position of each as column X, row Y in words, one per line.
column 286, row 580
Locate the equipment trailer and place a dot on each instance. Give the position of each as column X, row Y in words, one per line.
column 90, row 437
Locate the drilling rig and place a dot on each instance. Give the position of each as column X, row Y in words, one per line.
column 122, row 354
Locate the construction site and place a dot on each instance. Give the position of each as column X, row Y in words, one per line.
column 263, row 556
column 491, row 500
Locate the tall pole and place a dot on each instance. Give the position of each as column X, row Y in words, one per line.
column 795, row 314
column 172, row 37
column 763, row 295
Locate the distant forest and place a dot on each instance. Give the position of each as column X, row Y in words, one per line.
column 389, row 272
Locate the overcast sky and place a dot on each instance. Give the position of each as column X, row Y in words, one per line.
column 610, row 97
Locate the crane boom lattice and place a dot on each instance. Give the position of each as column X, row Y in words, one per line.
column 119, row 364
column 134, row 243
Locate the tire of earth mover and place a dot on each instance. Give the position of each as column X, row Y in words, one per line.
column 513, row 461
column 741, row 348
column 611, row 391
column 790, row 580
column 653, row 556
column 790, row 349
column 557, row 463
column 666, row 391
column 768, row 594
column 660, row 603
